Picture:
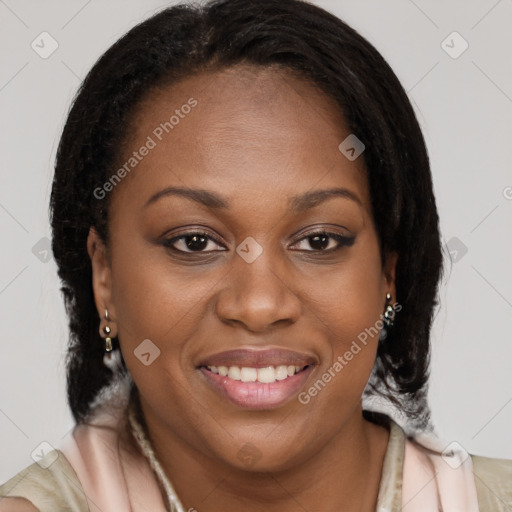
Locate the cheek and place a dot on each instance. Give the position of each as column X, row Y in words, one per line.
column 349, row 309
column 154, row 303
column 359, row 306
column 157, row 312
column 151, row 298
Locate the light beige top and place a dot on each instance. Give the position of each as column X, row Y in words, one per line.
column 89, row 474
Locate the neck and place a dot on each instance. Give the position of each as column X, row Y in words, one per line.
column 346, row 470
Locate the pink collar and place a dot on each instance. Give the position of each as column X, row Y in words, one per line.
column 116, row 476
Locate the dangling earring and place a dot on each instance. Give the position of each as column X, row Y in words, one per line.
column 105, row 333
column 389, row 313
column 388, row 318
column 112, row 358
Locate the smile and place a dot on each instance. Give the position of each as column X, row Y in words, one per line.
column 265, row 375
column 252, row 388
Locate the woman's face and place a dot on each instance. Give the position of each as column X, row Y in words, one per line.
column 218, row 262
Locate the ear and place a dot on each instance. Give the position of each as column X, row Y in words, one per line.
column 389, row 273
column 101, row 274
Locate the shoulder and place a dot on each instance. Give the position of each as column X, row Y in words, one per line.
column 16, row 505
column 46, row 486
column 493, row 480
column 484, row 482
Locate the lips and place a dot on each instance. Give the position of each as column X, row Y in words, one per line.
column 258, row 358
column 257, row 379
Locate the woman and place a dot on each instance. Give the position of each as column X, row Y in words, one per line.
column 246, row 232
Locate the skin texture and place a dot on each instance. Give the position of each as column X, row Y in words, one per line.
column 257, row 137
column 16, row 505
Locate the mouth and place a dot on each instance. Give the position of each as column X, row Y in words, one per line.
column 264, row 375
column 258, row 380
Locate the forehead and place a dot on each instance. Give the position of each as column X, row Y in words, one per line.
column 240, row 129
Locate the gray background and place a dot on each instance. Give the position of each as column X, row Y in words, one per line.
column 465, row 108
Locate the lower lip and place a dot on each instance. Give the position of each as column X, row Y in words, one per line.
column 257, row 395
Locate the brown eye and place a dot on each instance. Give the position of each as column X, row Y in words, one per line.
column 319, row 242
column 325, row 242
column 192, row 242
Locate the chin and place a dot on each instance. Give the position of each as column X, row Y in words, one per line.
column 265, row 455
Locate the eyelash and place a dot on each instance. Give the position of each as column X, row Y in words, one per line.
column 342, row 241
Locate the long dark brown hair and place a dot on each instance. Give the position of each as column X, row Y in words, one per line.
column 320, row 48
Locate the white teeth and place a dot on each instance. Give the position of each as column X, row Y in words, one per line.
column 234, row 373
column 248, row 374
column 281, row 372
column 265, row 375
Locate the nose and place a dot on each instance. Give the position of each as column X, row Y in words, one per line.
column 258, row 296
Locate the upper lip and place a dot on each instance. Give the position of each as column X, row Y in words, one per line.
column 258, row 358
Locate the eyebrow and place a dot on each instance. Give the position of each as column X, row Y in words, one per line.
column 208, row 199
column 315, row 197
column 214, row 201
